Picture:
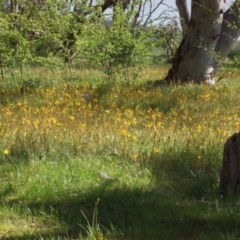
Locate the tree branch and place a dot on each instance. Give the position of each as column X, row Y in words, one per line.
column 137, row 14
column 107, row 4
column 183, row 13
column 151, row 11
column 230, row 31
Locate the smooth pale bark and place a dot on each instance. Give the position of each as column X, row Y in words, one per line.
column 183, row 14
column 230, row 31
column 193, row 60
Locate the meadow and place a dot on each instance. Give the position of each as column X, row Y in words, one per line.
column 83, row 158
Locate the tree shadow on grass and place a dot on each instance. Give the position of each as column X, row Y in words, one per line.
column 181, row 202
column 135, row 215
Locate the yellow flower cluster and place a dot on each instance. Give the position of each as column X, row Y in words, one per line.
column 132, row 122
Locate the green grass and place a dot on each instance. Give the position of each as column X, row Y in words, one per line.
column 151, row 155
column 166, row 200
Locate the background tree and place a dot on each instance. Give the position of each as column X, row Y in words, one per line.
column 166, row 35
column 43, row 32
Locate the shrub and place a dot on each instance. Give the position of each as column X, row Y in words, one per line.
column 117, row 48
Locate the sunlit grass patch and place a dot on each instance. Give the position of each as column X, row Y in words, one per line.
column 151, row 154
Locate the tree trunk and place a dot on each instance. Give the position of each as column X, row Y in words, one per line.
column 194, row 60
column 230, row 174
column 229, row 32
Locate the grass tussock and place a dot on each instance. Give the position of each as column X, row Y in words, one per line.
column 151, row 155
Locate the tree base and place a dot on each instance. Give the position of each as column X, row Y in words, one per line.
column 230, row 173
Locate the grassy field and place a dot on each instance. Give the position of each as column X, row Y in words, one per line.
column 86, row 159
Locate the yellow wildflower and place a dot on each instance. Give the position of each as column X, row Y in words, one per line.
column 5, row 151
column 156, row 150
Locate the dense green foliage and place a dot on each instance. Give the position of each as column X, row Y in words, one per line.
column 44, row 34
column 52, row 33
column 117, row 48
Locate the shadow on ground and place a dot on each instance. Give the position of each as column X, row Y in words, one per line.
column 181, row 202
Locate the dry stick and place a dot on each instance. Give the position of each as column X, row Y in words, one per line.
column 152, row 10
column 2, row 73
column 11, row 72
column 221, row 78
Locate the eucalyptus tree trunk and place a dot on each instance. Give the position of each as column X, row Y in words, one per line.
column 230, row 31
column 194, row 60
column 197, row 58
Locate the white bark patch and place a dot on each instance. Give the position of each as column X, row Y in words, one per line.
column 209, row 76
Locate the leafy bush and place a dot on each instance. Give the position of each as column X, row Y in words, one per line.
column 116, row 48
column 34, row 36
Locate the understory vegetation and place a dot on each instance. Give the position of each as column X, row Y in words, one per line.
column 84, row 158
